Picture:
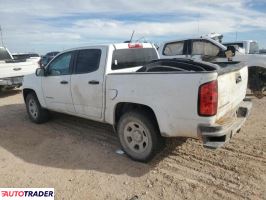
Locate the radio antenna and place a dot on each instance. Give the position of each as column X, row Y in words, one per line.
column 2, row 40
column 132, row 36
column 198, row 18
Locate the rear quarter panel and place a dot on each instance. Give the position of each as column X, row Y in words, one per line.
column 172, row 97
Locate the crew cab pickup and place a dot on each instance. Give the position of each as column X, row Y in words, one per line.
column 12, row 70
column 143, row 98
column 207, row 49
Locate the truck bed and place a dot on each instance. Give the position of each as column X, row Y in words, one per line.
column 173, row 94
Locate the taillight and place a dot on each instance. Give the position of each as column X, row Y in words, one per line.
column 135, row 45
column 208, row 99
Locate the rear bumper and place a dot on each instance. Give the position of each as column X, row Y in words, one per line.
column 217, row 135
column 12, row 81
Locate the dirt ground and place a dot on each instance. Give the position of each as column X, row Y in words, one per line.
column 77, row 157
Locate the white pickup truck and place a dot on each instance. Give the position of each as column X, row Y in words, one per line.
column 207, row 49
column 12, row 70
column 144, row 101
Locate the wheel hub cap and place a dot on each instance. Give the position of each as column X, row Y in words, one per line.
column 137, row 137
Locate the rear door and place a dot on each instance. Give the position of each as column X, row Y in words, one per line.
column 56, row 84
column 87, row 82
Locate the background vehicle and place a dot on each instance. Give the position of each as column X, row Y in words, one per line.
column 249, row 46
column 262, row 51
column 48, row 57
column 21, row 56
column 12, row 71
column 145, row 99
column 207, row 49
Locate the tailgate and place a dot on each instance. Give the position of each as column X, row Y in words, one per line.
column 232, row 86
column 8, row 70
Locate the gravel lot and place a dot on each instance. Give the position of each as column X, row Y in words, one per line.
column 77, row 157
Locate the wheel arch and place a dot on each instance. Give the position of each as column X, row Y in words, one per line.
column 123, row 107
column 27, row 91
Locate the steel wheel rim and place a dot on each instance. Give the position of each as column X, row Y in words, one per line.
column 263, row 91
column 33, row 108
column 136, row 137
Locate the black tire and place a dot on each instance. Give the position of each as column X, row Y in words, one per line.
column 39, row 115
column 140, row 143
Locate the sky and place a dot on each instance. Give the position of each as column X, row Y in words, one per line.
column 48, row 25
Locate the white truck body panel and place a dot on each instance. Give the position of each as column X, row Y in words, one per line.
column 8, row 70
column 12, row 71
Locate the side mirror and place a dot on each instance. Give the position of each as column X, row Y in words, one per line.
column 40, row 72
column 231, row 51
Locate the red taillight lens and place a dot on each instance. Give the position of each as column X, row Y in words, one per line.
column 136, row 45
column 208, row 99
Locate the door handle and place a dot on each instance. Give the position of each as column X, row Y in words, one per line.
column 94, row 82
column 17, row 69
column 64, row 82
column 238, row 79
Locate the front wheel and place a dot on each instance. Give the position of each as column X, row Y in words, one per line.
column 139, row 135
column 36, row 113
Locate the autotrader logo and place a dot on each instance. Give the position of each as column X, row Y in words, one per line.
column 26, row 193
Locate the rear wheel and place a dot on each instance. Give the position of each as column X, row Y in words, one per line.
column 139, row 135
column 36, row 113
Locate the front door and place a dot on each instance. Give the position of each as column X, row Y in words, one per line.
column 56, row 84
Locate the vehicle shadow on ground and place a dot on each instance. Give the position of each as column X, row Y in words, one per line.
column 9, row 93
column 69, row 143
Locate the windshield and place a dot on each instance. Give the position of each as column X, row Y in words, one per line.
column 4, row 55
column 128, row 58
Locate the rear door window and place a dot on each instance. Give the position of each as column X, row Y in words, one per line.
column 128, row 58
column 88, row 60
column 173, row 49
column 204, row 48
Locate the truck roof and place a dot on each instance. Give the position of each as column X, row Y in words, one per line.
column 116, row 46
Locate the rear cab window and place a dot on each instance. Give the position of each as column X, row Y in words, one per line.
column 132, row 57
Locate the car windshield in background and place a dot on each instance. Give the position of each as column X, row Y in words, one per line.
column 4, row 55
column 239, row 44
column 52, row 54
column 128, row 58
column 24, row 56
